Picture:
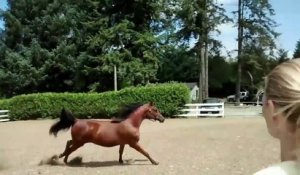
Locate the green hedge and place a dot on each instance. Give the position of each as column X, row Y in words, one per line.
column 4, row 104
column 167, row 97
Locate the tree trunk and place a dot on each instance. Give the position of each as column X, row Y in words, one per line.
column 200, row 97
column 205, row 50
column 206, row 70
column 115, row 79
column 201, row 71
column 239, row 57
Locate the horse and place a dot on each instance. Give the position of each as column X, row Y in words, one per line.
column 107, row 133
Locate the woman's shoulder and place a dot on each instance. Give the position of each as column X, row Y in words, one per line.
column 283, row 168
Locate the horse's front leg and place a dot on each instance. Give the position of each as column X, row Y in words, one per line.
column 137, row 147
column 121, row 149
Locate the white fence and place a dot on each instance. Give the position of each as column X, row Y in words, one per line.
column 4, row 115
column 203, row 109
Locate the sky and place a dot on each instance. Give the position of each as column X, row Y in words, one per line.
column 3, row 6
column 287, row 16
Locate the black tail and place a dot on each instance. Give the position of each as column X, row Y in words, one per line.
column 65, row 122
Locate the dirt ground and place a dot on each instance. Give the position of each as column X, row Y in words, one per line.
column 211, row 146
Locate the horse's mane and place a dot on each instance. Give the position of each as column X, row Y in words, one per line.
column 125, row 111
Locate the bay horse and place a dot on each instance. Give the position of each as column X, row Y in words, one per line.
column 107, row 133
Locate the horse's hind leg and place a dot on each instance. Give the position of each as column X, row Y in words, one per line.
column 69, row 143
column 121, row 153
column 137, row 147
column 71, row 146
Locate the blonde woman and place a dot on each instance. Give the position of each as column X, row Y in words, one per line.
column 281, row 110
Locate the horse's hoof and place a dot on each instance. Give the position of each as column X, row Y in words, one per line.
column 66, row 162
column 155, row 163
column 60, row 156
column 121, row 162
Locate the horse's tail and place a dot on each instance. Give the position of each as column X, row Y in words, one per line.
column 65, row 122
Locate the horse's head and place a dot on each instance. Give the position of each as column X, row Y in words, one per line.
column 153, row 113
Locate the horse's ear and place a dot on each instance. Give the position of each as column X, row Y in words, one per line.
column 151, row 103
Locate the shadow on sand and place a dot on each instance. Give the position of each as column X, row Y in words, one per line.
column 94, row 164
column 77, row 162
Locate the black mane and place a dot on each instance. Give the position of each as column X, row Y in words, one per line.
column 125, row 111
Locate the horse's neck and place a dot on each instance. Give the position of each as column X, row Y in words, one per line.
column 137, row 117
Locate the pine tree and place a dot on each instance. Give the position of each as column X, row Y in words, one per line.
column 124, row 38
column 198, row 20
column 297, row 50
column 255, row 31
column 37, row 37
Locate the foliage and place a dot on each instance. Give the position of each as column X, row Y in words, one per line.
column 167, row 97
column 256, row 37
column 258, row 25
column 4, row 104
column 124, row 38
column 38, row 47
column 220, row 72
column 198, row 20
column 282, row 55
column 73, row 46
column 66, row 46
column 178, row 64
column 297, row 50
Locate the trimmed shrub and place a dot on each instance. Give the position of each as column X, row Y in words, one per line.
column 4, row 104
column 167, row 97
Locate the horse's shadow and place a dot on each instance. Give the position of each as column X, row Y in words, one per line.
column 77, row 162
column 96, row 164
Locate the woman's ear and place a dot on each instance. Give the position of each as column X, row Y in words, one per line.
column 272, row 111
column 274, row 119
column 271, row 106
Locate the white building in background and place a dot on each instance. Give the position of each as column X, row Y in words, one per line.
column 194, row 90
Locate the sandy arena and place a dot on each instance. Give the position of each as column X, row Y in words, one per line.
column 211, row 146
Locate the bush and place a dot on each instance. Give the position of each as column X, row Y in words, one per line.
column 167, row 97
column 4, row 104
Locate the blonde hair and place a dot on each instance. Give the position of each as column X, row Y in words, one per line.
column 283, row 88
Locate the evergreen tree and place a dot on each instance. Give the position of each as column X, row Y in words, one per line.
column 42, row 37
column 297, row 50
column 73, row 46
column 255, row 31
column 198, row 20
column 282, row 56
column 125, row 38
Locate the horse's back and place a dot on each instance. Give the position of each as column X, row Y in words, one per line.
column 104, row 133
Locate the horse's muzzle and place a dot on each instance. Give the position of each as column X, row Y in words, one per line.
column 160, row 118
